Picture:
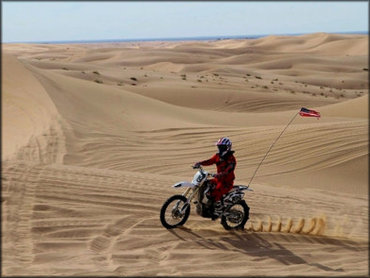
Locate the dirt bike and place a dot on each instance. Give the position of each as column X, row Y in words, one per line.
column 176, row 210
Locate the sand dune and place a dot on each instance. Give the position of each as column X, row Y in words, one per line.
column 94, row 135
column 28, row 111
column 88, row 221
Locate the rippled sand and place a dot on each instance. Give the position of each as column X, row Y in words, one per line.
column 94, row 135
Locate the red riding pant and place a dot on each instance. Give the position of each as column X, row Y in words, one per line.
column 222, row 187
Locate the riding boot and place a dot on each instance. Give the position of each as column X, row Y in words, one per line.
column 216, row 209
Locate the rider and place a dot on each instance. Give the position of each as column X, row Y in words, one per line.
column 224, row 179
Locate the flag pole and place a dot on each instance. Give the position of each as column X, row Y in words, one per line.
column 271, row 147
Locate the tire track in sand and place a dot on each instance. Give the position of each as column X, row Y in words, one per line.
column 17, row 214
column 76, row 217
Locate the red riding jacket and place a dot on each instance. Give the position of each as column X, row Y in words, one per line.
column 225, row 166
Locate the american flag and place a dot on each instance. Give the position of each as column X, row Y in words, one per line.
column 309, row 113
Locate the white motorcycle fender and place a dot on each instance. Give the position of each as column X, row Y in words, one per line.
column 183, row 184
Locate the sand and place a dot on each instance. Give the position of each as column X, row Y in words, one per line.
column 94, row 136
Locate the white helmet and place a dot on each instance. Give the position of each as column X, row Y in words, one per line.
column 224, row 145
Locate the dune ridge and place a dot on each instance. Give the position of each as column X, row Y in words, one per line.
column 94, row 135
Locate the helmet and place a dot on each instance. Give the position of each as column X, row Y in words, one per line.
column 224, row 145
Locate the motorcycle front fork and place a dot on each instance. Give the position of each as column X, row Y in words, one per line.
column 185, row 194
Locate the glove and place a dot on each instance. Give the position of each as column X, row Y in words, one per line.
column 196, row 165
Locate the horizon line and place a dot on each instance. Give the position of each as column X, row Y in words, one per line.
column 216, row 37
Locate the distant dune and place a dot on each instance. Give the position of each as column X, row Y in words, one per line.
column 94, row 135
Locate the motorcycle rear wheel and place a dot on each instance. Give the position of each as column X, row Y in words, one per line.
column 175, row 212
column 236, row 217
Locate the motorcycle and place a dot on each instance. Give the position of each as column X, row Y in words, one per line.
column 176, row 209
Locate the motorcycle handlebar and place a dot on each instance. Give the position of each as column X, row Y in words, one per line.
column 201, row 168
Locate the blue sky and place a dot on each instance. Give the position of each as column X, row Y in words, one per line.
column 59, row 21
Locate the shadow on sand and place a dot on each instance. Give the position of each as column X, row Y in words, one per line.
column 261, row 244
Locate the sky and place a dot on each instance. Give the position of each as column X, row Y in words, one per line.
column 68, row 21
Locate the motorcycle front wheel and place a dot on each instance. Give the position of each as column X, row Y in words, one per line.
column 174, row 212
column 236, row 216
